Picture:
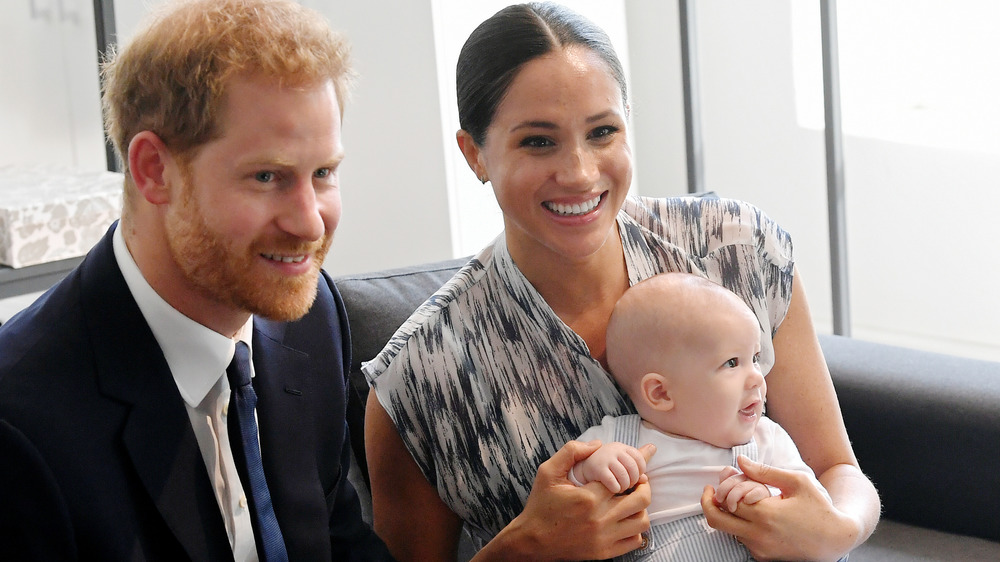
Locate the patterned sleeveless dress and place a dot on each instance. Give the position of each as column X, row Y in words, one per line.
column 484, row 382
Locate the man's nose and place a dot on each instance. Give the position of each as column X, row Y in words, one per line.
column 300, row 214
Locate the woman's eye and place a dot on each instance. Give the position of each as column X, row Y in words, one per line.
column 605, row 131
column 264, row 177
column 733, row 363
column 536, row 142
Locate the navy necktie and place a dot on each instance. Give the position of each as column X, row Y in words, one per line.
column 246, row 452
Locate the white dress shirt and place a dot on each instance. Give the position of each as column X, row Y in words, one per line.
column 198, row 357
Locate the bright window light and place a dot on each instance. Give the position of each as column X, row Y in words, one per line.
column 922, row 72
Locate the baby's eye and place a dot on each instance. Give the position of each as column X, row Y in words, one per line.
column 536, row 142
column 733, row 363
column 264, row 177
column 756, row 357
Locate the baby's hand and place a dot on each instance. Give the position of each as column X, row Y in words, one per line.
column 734, row 486
column 616, row 465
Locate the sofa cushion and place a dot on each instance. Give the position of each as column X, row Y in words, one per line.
column 378, row 303
column 926, row 429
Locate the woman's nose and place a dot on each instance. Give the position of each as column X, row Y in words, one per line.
column 579, row 167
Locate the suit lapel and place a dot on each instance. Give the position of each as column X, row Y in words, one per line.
column 288, row 437
column 157, row 434
column 281, row 385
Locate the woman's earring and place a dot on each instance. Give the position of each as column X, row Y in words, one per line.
column 483, row 179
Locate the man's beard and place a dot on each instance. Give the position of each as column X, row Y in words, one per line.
column 234, row 276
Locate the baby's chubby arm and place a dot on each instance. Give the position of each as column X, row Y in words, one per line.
column 734, row 486
column 616, row 465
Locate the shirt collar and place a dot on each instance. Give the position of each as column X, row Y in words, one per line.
column 196, row 355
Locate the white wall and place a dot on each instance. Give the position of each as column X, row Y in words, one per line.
column 395, row 198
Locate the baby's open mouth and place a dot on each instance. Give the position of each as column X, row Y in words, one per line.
column 751, row 410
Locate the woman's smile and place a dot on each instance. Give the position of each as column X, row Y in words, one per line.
column 575, row 209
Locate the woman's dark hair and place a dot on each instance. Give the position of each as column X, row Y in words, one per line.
column 497, row 49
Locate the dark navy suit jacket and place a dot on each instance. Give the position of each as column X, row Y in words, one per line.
column 98, row 459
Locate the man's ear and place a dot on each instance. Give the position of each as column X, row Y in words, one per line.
column 656, row 392
column 148, row 159
column 471, row 152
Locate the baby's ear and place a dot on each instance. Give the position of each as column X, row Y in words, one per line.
column 656, row 392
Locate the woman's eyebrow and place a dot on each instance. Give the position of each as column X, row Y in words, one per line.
column 602, row 115
column 549, row 125
column 534, row 125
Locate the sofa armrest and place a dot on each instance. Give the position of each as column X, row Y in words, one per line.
column 926, row 430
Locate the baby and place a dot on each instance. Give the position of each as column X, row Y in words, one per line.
column 686, row 351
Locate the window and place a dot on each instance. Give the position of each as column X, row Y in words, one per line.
column 920, row 80
column 919, row 72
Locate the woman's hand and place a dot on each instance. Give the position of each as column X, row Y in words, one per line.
column 801, row 397
column 560, row 521
column 735, row 487
column 563, row 521
column 801, row 524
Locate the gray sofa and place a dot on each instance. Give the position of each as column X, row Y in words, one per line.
column 925, row 426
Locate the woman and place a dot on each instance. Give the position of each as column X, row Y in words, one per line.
column 476, row 395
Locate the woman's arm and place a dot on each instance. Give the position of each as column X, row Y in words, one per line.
column 802, row 399
column 559, row 521
column 407, row 512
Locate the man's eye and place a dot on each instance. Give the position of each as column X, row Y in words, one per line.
column 733, row 363
column 264, row 177
column 322, row 172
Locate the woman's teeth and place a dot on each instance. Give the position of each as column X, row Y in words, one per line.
column 573, row 210
column 284, row 259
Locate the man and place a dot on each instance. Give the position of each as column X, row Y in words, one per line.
column 117, row 437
